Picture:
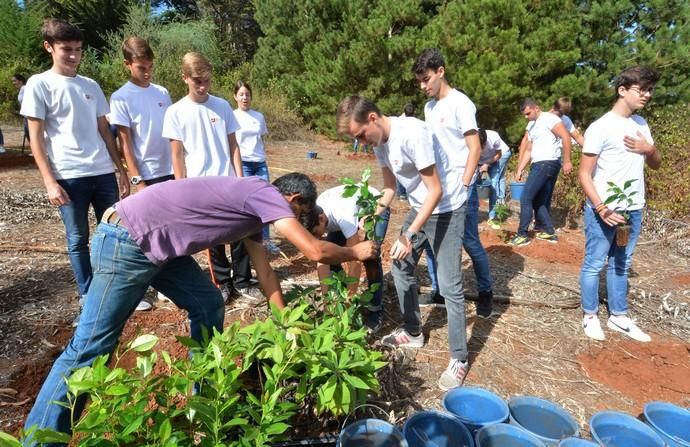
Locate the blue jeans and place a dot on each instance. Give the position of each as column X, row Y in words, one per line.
column 431, row 267
column 98, row 191
column 473, row 245
column 338, row 238
column 121, row 276
column 538, row 187
column 258, row 169
column 600, row 246
column 445, row 233
column 497, row 193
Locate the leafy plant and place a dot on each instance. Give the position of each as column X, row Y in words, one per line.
column 621, row 196
column 366, row 201
column 502, row 212
column 240, row 388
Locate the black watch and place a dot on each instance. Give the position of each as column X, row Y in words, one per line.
column 135, row 180
column 411, row 236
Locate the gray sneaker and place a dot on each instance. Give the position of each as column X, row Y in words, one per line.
column 229, row 292
column 252, row 293
column 144, row 305
column 432, row 298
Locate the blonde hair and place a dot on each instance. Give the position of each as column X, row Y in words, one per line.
column 195, row 65
column 562, row 105
column 353, row 108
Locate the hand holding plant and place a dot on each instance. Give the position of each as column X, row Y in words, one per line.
column 623, row 199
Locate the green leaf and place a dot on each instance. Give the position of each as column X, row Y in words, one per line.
column 165, row 430
column 46, row 435
column 188, row 342
column 143, row 343
column 117, row 390
column 356, row 382
column 276, row 429
column 7, row 440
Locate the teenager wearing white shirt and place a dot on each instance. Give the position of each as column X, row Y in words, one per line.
column 250, row 139
column 545, row 136
column 494, row 159
column 617, row 147
column 71, row 143
column 201, row 128
column 137, row 110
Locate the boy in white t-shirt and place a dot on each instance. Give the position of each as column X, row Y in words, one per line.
column 337, row 218
column 617, row 146
column 71, row 143
column 201, row 128
column 406, row 150
column 545, row 135
column 137, row 110
column 493, row 161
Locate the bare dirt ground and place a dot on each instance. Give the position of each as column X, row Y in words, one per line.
column 534, row 347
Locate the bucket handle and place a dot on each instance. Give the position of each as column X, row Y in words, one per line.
column 342, row 427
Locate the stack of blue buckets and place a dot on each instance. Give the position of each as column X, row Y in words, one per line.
column 476, row 417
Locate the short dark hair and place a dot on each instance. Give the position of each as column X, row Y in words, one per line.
column 58, row 30
column 20, row 77
column 527, row 102
column 136, row 48
column 640, row 75
column 239, row 84
column 297, row 183
column 430, row 58
column 310, row 219
column 482, row 137
column 562, row 105
column 408, row 110
column 355, row 108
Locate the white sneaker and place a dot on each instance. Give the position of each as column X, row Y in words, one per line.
column 163, row 298
column 454, row 375
column 625, row 325
column 2, row 149
column 144, row 305
column 272, row 248
column 592, row 327
column 400, row 338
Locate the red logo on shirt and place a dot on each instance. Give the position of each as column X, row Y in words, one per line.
column 214, row 120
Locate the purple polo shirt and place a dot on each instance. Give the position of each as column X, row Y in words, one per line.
column 182, row 217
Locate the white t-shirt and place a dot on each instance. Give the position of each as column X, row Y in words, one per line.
column 203, row 129
column 252, row 128
column 545, row 144
column 570, row 127
column 20, row 95
column 616, row 164
column 449, row 119
column 409, row 149
column 142, row 110
column 341, row 211
column 494, row 144
column 70, row 108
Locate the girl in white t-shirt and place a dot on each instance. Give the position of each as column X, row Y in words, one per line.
column 250, row 139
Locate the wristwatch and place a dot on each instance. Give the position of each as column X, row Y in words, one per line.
column 411, row 236
column 135, row 180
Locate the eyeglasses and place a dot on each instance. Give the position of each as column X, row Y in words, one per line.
column 642, row 91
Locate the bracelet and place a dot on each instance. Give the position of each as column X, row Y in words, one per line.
column 382, row 205
column 599, row 207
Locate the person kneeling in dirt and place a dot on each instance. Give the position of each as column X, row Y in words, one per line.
column 148, row 239
column 337, row 218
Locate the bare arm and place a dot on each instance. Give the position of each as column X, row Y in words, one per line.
column 179, row 168
column 268, row 280
column 388, row 190
column 104, row 131
column 402, row 247
column 127, row 146
column 577, row 136
column 56, row 195
column 235, row 155
column 524, row 156
column 587, row 164
column 322, row 251
column 561, row 132
column 472, row 140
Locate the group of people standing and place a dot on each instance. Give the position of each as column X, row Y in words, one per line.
column 201, row 178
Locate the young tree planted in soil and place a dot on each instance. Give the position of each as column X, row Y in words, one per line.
column 624, row 200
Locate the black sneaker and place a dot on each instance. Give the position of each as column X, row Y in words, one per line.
column 432, row 299
column 229, row 292
column 485, row 304
column 374, row 321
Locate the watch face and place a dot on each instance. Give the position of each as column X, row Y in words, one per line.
column 135, row 180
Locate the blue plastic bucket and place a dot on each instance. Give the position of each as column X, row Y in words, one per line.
column 546, row 420
column 504, row 435
column 436, row 429
column 615, row 429
column 475, row 407
column 576, row 442
column 670, row 421
column 516, row 190
column 311, row 155
column 371, row 433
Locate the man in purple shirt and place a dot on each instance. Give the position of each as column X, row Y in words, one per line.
column 148, row 239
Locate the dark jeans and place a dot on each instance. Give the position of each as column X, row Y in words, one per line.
column 338, row 238
column 538, row 188
column 99, row 191
column 221, row 266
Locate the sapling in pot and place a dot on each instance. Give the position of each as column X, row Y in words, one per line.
column 367, row 202
column 624, row 201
